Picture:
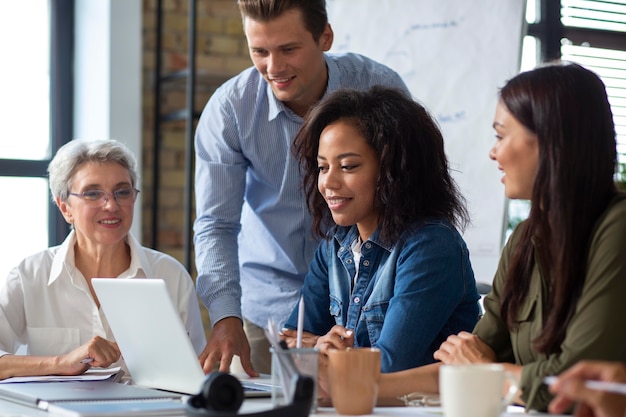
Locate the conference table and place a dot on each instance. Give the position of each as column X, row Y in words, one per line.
column 256, row 405
column 10, row 409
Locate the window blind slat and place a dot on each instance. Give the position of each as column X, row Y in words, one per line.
column 609, row 64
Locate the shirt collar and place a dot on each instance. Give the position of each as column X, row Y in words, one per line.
column 139, row 265
column 333, row 75
column 64, row 254
column 346, row 235
column 275, row 106
column 138, row 261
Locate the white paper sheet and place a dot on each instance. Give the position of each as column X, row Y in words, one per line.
column 93, row 374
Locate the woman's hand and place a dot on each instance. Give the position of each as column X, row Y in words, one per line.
column 337, row 338
column 97, row 352
column 323, row 383
column 464, row 348
column 309, row 340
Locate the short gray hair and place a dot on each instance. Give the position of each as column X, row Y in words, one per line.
column 78, row 152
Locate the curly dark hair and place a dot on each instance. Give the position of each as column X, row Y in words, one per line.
column 566, row 106
column 414, row 181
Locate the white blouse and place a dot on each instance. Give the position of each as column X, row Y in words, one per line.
column 46, row 304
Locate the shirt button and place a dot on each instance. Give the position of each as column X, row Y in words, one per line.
column 349, row 261
column 366, row 263
column 368, row 245
column 356, row 300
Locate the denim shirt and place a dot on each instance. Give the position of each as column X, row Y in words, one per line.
column 407, row 299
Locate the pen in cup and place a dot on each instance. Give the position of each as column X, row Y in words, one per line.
column 300, row 323
column 613, row 387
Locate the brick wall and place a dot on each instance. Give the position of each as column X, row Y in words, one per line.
column 221, row 52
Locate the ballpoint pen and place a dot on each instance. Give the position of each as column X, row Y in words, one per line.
column 87, row 360
column 613, row 387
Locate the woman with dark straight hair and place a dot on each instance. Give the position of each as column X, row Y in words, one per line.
column 558, row 293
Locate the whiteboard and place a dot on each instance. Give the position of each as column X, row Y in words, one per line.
column 454, row 55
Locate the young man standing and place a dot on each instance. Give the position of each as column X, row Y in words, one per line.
column 252, row 233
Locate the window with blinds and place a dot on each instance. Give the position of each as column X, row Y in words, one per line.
column 610, row 65
column 595, row 37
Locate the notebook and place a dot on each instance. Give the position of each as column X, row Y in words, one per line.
column 62, row 397
column 151, row 408
column 152, row 338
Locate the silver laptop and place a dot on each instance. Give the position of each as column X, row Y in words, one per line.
column 152, row 338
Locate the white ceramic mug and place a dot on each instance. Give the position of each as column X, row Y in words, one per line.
column 476, row 390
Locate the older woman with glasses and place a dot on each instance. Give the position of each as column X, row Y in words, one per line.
column 48, row 303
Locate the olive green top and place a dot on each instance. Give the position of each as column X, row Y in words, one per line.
column 597, row 329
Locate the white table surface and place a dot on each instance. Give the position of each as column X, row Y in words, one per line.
column 10, row 409
column 259, row 404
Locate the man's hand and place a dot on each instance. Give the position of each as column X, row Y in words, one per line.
column 226, row 340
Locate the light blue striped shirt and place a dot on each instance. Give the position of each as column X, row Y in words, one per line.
column 252, row 238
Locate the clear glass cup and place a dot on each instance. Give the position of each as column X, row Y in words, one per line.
column 306, row 362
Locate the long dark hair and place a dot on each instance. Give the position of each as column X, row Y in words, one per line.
column 566, row 106
column 414, row 180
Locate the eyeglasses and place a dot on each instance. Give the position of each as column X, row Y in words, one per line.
column 420, row 399
column 98, row 198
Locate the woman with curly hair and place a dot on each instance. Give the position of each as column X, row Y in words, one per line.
column 392, row 270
